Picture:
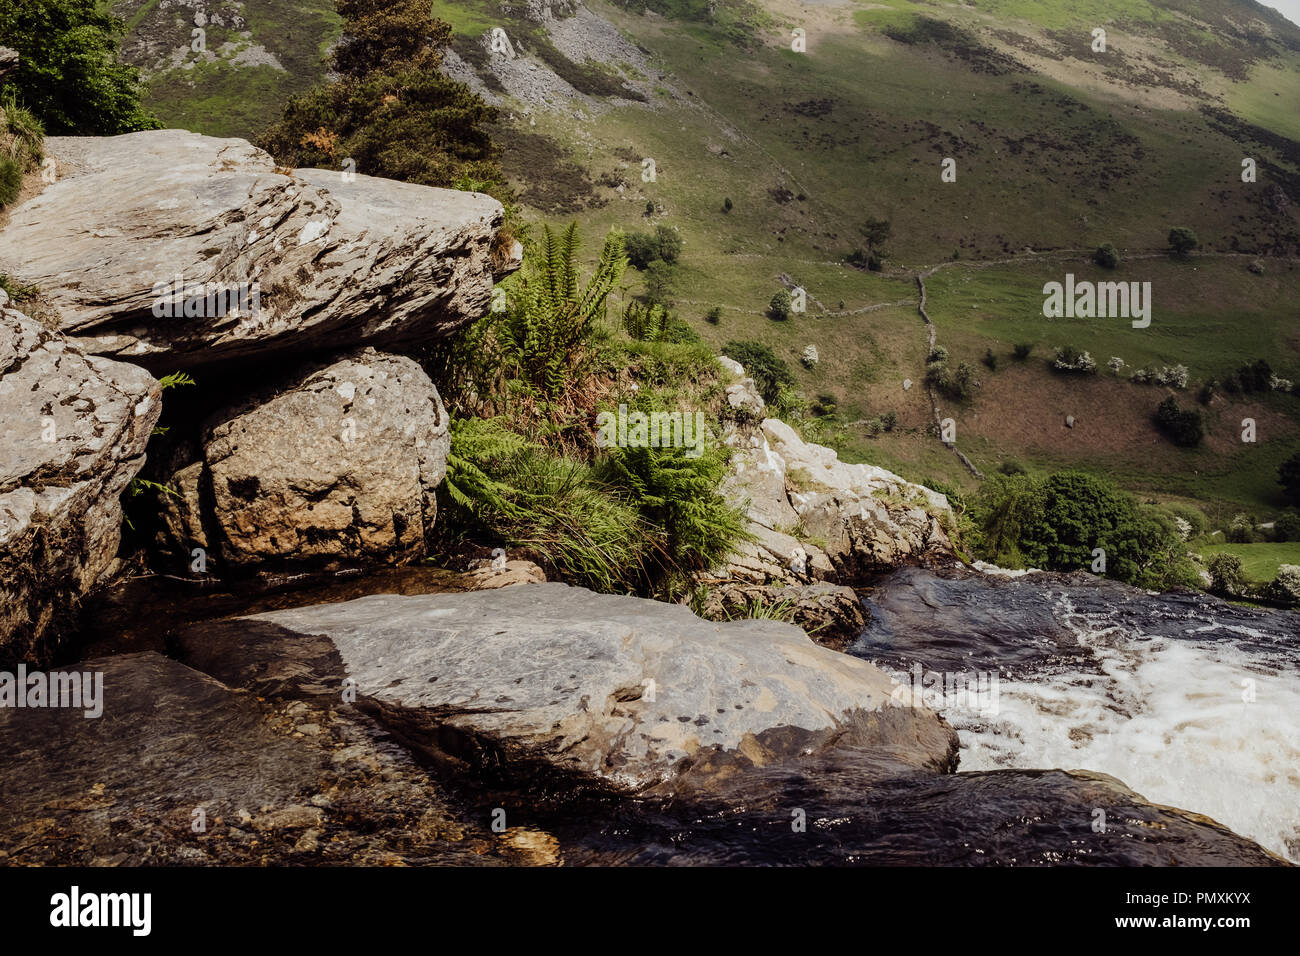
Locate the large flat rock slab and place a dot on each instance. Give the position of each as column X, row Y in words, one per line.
column 628, row 692
column 338, row 261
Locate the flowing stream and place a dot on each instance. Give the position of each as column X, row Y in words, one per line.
column 1190, row 701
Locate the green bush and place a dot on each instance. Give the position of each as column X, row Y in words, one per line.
column 1055, row 522
column 1194, row 517
column 779, row 307
column 1182, row 240
column 1106, row 256
column 1021, row 351
column 644, row 248
column 768, row 371
column 1182, row 427
column 68, row 73
column 1225, row 574
column 392, row 112
column 1241, row 530
column 1287, row 526
column 714, row 315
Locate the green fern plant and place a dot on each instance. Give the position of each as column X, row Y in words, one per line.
column 551, row 318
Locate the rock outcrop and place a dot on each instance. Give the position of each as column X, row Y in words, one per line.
column 808, row 510
column 73, row 430
column 625, row 692
column 340, row 463
column 287, row 261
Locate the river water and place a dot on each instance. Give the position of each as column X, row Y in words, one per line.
column 1190, row 701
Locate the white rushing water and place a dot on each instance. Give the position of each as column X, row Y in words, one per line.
column 1208, row 725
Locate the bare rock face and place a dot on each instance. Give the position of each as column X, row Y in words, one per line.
column 816, row 517
column 73, row 430
column 339, row 464
column 289, row 260
column 627, row 692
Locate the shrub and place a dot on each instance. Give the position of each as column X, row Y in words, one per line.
column 1225, row 573
column 1070, row 359
column 392, row 111
column 1286, row 586
column 726, row 205
column 779, row 307
column 823, row 405
column 1106, row 256
column 889, row 420
column 1254, row 377
column 1288, row 476
column 1287, row 526
column 990, row 360
column 1183, row 428
column 1021, row 351
column 1173, row 376
column 1115, row 364
column 714, row 315
column 68, row 72
column 1241, row 530
column 768, row 371
column 1012, row 467
column 1195, row 518
column 1182, row 240
column 643, row 248
column 660, row 281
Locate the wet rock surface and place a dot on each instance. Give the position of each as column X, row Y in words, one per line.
column 182, row 770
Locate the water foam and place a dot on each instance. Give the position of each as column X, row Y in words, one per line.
column 1173, row 717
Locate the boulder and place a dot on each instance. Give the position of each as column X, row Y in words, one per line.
column 73, row 430
column 629, row 693
column 339, row 463
column 323, row 260
column 851, row 520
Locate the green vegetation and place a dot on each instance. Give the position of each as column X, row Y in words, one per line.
column 1183, row 427
column 527, row 467
column 1288, row 476
column 1258, row 562
column 68, row 74
column 1182, row 240
column 769, row 372
column 391, row 112
column 1057, row 523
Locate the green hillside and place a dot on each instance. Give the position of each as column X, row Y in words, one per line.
column 1058, row 148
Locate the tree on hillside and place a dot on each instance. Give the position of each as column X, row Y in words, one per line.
column 1288, row 476
column 391, row 112
column 68, row 74
column 1182, row 240
column 1106, row 256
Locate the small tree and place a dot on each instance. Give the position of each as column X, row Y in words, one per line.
column 1106, row 256
column 1288, row 476
column 779, row 307
column 1225, row 574
column 1182, row 240
column 726, row 204
column 714, row 315
column 990, row 360
column 1182, row 427
column 1021, row 352
column 660, row 282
